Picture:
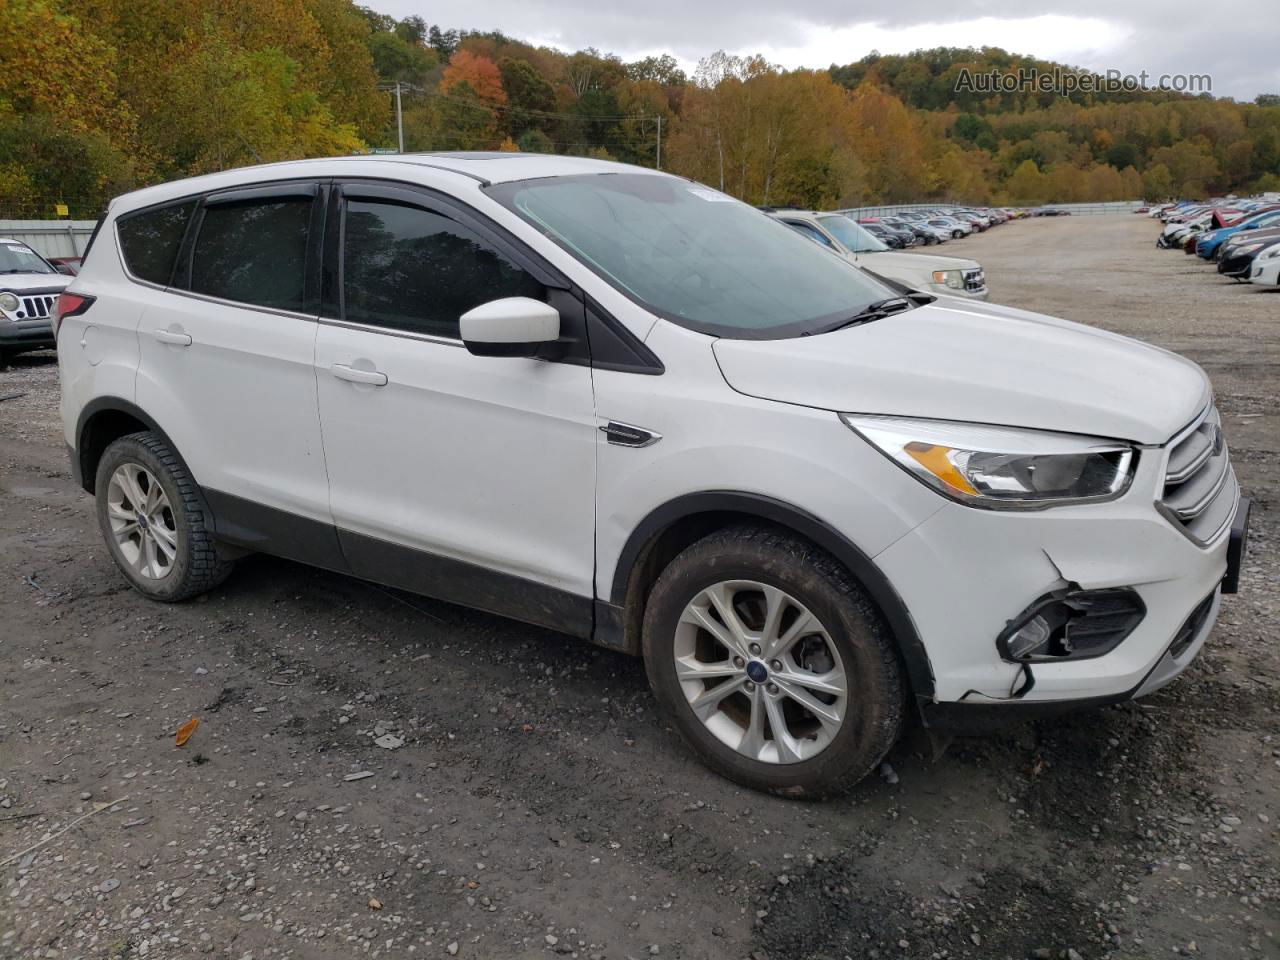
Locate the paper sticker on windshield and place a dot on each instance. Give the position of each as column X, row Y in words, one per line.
column 715, row 196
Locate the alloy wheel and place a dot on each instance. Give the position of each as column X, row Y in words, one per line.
column 760, row 671
column 142, row 521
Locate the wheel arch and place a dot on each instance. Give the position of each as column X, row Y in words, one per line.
column 103, row 421
column 674, row 525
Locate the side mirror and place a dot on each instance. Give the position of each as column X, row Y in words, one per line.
column 510, row 327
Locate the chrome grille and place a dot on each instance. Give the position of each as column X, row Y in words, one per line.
column 974, row 279
column 1200, row 489
column 36, row 306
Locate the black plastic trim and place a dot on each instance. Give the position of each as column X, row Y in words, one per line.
column 1237, row 545
column 267, row 191
column 610, row 628
column 614, row 347
column 467, row 584
column 263, row 529
column 872, row 579
column 1065, row 597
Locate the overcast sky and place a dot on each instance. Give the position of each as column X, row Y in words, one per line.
column 1159, row 36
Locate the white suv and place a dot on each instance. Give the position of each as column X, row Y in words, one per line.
column 29, row 285
column 623, row 405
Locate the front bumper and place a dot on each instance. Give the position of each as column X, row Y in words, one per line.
column 943, row 290
column 965, row 573
column 1238, row 265
column 1266, row 272
column 26, row 334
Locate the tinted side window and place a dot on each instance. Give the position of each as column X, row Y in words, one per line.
column 254, row 252
column 150, row 240
column 811, row 232
column 411, row 269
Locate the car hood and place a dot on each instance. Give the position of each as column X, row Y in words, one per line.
column 952, row 360
column 22, row 282
column 915, row 262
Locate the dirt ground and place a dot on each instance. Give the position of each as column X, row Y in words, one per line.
column 538, row 807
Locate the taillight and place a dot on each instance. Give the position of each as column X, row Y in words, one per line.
column 68, row 305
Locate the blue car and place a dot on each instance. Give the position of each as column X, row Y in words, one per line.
column 1209, row 242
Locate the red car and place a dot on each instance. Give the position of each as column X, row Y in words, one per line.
column 66, row 265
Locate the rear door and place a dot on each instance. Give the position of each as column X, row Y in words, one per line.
column 466, row 478
column 227, row 366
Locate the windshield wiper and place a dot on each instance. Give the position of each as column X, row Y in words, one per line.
column 876, row 310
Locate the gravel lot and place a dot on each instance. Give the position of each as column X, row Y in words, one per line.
column 537, row 807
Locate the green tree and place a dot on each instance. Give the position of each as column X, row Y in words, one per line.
column 529, row 95
column 1027, row 185
column 1157, row 183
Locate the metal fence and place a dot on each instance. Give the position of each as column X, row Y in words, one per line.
column 1075, row 209
column 51, row 238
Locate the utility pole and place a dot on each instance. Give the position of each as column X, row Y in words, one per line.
column 399, row 119
column 659, row 158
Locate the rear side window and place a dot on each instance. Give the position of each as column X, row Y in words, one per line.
column 813, row 233
column 411, row 269
column 149, row 240
column 254, row 252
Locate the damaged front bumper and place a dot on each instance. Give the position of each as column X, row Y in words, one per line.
column 968, row 575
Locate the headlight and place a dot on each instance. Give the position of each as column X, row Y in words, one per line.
column 952, row 278
column 1246, row 248
column 8, row 302
column 1270, row 254
column 1000, row 467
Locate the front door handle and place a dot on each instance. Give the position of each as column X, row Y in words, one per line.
column 374, row 378
column 172, row 336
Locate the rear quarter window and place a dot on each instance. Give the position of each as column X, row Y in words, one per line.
column 149, row 240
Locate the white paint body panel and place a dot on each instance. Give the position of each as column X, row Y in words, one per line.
column 490, row 460
column 239, row 402
column 1266, row 272
column 1034, row 371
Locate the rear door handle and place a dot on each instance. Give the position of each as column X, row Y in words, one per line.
column 171, row 336
column 373, row 377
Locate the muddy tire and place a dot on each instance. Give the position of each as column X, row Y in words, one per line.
column 155, row 521
column 772, row 664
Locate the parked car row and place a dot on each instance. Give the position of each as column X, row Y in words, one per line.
column 924, row 227
column 1240, row 236
column 857, row 243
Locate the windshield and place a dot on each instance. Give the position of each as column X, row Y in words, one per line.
column 693, row 255
column 19, row 258
column 851, row 234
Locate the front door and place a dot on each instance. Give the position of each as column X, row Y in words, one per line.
column 467, row 478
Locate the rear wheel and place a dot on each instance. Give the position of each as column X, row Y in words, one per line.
column 155, row 521
column 772, row 664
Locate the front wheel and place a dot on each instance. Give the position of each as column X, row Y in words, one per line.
column 772, row 664
column 155, row 521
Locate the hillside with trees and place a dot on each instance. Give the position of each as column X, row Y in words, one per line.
column 101, row 96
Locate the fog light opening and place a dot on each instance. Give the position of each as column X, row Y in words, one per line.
column 1071, row 624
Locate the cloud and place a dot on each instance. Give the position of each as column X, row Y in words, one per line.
column 1158, row 36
